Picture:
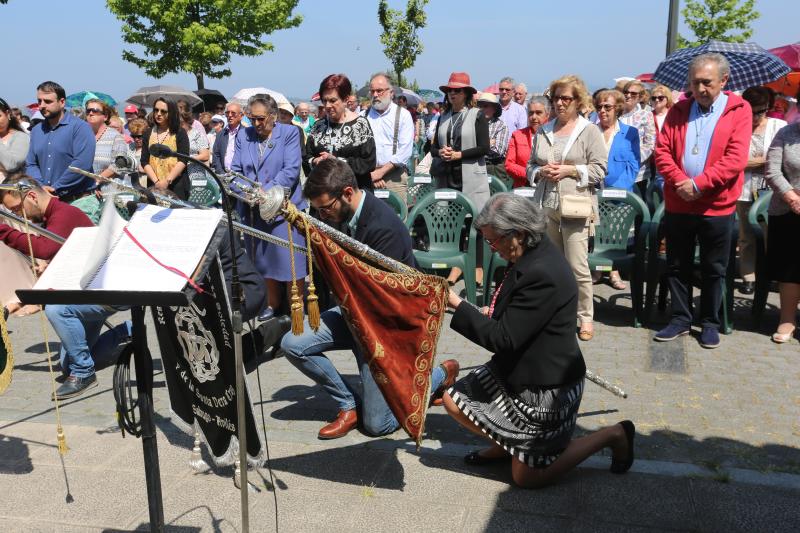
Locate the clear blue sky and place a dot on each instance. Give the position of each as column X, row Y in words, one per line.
column 78, row 44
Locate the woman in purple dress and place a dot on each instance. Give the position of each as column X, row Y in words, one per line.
column 269, row 152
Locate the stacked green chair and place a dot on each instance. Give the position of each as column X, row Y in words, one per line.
column 394, row 200
column 622, row 213
column 757, row 218
column 419, row 186
column 207, row 194
column 653, row 196
column 445, row 213
column 496, row 185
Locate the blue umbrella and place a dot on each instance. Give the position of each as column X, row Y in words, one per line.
column 751, row 65
column 79, row 99
column 430, row 95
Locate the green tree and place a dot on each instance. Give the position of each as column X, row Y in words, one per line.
column 199, row 36
column 713, row 19
column 401, row 44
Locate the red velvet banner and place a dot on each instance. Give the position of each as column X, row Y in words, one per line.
column 396, row 318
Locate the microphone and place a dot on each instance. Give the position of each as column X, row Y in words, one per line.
column 162, row 151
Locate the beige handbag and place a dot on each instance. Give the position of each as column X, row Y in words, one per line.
column 574, row 205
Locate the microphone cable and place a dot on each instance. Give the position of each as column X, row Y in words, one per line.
column 123, row 394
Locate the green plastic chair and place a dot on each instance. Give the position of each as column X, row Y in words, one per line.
column 496, row 185
column 207, row 195
column 394, row 200
column 657, row 268
column 444, row 213
column 653, row 196
column 419, row 186
column 757, row 218
column 622, row 213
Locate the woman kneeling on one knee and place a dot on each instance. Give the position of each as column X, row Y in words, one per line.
column 526, row 398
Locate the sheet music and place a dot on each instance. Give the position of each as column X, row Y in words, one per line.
column 65, row 270
column 174, row 237
column 108, row 233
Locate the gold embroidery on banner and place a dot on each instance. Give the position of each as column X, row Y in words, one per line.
column 416, row 283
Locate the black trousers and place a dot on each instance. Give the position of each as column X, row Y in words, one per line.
column 714, row 236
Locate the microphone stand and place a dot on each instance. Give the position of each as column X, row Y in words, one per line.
column 162, row 151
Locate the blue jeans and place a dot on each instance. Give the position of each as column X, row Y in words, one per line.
column 78, row 327
column 305, row 352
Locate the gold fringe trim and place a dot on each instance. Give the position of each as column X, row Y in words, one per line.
column 6, row 375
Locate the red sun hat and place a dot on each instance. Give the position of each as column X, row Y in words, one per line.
column 458, row 80
column 131, row 109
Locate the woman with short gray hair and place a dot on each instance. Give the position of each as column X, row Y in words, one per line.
column 269, row 153
column 526, row 398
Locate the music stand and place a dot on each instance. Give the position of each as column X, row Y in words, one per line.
column 143, row 361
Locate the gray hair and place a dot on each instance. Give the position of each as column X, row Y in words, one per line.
column 508, row 213
column 541, row 100
column 265, row 100
column 508, row 79
column 383, row 75
column 723, row 67
column 523, row 86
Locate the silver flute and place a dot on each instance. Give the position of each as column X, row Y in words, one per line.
column 167, row 201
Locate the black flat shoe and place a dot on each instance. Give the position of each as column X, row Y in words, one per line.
column 476, row 459
column 748, row 287
column 622, row 466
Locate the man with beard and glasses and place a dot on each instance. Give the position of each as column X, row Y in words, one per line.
column 62, row 140
column 333, row 192
column 393, row 129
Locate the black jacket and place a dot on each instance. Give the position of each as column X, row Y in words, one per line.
column 381, row 229
column 532, row 330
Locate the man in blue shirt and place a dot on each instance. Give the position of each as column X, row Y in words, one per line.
column 59, row 142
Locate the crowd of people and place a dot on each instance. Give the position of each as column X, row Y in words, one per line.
column 709, row 152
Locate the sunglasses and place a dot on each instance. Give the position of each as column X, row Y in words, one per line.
column 136, row 136
column 605, row 107
column 631, row 93
column 93, row 111
column 159, row 111
column 658, row 98
column 563, row 98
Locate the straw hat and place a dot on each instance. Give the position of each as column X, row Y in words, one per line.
column 491, row 99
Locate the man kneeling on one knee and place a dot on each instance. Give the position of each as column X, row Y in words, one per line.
column 332, row 190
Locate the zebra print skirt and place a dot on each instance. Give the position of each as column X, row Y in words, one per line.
column 534, row 426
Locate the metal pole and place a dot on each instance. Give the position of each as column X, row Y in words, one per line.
column 144, row 387
column 672, row 26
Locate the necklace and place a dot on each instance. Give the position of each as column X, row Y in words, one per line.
column 160, row 139
column 263, row 145
column 699, row 129
column 100, row 132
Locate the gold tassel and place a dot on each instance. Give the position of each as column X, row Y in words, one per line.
column 62, row 441
column 297, row 303
column 312, row 301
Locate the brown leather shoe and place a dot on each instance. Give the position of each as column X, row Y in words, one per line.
column 345, row 421
column 451, row 368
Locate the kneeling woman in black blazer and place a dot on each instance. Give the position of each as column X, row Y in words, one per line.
column 526, row 398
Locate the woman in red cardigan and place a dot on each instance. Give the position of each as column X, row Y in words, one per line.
column 519, row 148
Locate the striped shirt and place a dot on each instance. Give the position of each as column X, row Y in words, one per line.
column 498, row 140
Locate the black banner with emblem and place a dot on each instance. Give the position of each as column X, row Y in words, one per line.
column 199, row 364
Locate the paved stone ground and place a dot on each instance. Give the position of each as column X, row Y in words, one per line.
column 718, row 449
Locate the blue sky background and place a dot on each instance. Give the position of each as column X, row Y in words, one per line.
column 78, row 43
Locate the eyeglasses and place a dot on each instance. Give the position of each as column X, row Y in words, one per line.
column 493, row 242
column 328, row 208
column 505, row 89
column 658, row 98
column 232, row 113
column 631, row 93
column 136, row 136
column 563, row 98
column 255, row 119
column 454, row 91
column 605, row 107
column 378, row 91
column 160, row 111
column 94, row 110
